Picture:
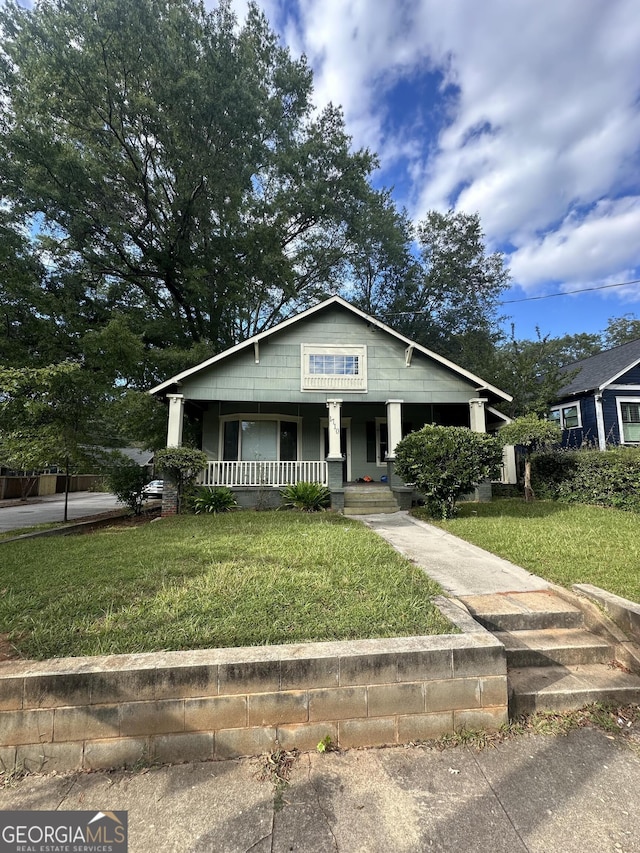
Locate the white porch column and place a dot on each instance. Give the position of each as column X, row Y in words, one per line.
column 477, row 420
column 394, row 426
column 602, row 439
column 334, row 429
column 174, row 427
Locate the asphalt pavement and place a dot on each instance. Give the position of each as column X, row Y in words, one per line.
column 16, row 514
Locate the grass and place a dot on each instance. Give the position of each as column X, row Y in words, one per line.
column 204, row 581
column 564, row 543
column 21, row 531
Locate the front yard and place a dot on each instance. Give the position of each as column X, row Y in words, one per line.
column 245, row 578
column 564, row 543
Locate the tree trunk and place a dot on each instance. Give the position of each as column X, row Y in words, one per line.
column 528, row 491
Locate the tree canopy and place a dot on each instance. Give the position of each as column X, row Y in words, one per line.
column 173, row 169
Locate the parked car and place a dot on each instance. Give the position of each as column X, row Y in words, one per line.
column 153, row 489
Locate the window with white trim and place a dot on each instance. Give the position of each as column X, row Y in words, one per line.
column 568, row 417
column 629, row 421
column 249, row 438
column 333, row 368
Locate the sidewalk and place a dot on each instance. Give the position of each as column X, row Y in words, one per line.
column 533, row 794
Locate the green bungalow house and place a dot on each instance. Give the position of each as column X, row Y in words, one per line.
column 324, row 396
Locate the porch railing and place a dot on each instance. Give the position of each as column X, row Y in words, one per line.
column 263, row 473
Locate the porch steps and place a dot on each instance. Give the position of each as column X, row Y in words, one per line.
column 554, row 662
column 368, row 499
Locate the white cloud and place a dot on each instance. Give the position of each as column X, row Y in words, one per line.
column 544, row 124
column 582, row 250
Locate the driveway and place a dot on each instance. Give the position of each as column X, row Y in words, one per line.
column 19, row 514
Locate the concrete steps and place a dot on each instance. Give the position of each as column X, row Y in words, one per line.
column 369, row 498
column 553, row 661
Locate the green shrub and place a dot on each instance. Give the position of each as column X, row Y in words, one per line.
column 220, row 499
column 309, row 497
column 602, row 477
column 126, row 480
column 445, row 463
column 181, row 465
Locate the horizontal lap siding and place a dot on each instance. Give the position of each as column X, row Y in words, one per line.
column 277, row 376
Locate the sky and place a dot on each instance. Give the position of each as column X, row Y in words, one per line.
column 524, row 111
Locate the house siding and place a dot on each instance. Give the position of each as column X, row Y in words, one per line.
column 277, row 376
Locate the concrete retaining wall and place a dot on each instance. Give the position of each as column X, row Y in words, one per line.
column 120, row 710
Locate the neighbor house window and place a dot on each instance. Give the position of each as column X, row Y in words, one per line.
column 333, row 368
column 250, row 439
column 630, row 421
column 568, row 417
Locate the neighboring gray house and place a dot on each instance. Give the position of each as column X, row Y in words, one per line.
column 324, row 396
column 600, row 403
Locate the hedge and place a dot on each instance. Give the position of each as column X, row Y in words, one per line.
column 602, row 477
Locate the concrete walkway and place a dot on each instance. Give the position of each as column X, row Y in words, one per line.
column 459, row 567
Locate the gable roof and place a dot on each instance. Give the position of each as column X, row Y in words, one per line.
column 322, row 306
column 598, row 371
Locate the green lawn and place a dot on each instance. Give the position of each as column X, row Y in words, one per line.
column 245, row 578
column 564, row 543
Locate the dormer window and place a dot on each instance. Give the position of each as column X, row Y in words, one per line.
column 334, row 368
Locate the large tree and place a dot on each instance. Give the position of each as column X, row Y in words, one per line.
column 446, row 288
column 171, row 167
column 531, row 370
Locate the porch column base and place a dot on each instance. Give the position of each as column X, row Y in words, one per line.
column 482, row 493
column 335, row 483
column 401, row 492
column 169, row 498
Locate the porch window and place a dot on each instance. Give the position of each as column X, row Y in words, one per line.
column 378, row 440
column 630, row 417
column 247, row 440
column 334, row 368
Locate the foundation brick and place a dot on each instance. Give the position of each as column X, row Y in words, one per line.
column 28, row 726
column 489, row 660
column 11, row 690
column 186, row 681
column 426, row 665
column 180, row 748
column 152, row 718
column 7, row 758
column 116, row 752
column 494, row 691
column 418, row 727
column 368, row 669
column 309, row 673
column 234, row 743
column 221, row 712
column 274, row 708
column 249, row 677
column 57, row 691
column 452, row 695
column 128, row 685
column 306, row 736
column 372, row 732
column 47, row 757
column 389, row 699
column 489, row 719
column 93, row 721
column 340, row 703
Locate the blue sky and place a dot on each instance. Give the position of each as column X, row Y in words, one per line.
column 525, row 111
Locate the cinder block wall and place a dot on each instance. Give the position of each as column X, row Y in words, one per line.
column 171, row 707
